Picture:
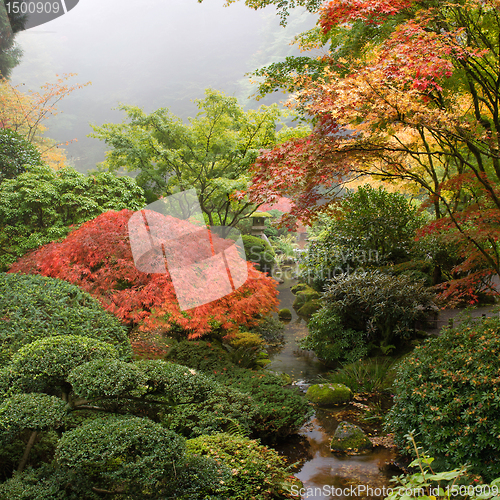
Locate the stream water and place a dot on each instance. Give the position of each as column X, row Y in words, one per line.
column 325, row 476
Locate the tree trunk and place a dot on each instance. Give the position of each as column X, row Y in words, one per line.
column 24, row 460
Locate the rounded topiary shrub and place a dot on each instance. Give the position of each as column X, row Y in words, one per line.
column 36, row 307
column 447, row 390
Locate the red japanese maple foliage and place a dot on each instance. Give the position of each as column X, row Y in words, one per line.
column 98, row 258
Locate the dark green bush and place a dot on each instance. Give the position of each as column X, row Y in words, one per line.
column 259, row 251
column 130, row 453
column 15, row 153
column 45, row 364
column 280, row 411
column 447, row 390
column 372, row 310
column 277, row 411
column 331, row 341
column 200, row 355
column 47, row 483
column 371, row 227
column 259, row 472
column 35, row 307
column 224, row 409
column 41, row 204
column 270, row 329
column 199, row 478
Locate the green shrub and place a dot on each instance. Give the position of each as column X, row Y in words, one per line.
column 258, row 472
column 448, row 391
column 246, row 339
column 199, row 478
column 370, row 227
column 200, row 355
column 280, row 411
column 223, row 409
column 105, row 378
column 130, row 453
column 180, row 384
column 15, row 154
column 366, row 311
column 47, row 482
column 36, row 412
column 277, row 411
column 259, row 251
column 41, row 204
column 428, row 483
column 35, row 307
column 331, row 342
column 46, row 364
column 270, row 329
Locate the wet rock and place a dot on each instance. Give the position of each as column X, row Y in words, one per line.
column 329, row 394
column 303, row 385
column 350, row 439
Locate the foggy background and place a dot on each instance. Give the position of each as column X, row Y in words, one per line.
column 152, row 53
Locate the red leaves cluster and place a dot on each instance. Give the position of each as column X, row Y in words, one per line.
column 97, row 257
column 303, row 170
column 338, row 12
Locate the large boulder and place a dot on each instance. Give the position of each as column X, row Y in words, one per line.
column 329, row 394
column 350, row 439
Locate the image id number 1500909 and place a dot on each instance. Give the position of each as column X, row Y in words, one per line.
column 33, row 7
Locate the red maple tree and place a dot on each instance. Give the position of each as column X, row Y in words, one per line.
column 98, row 258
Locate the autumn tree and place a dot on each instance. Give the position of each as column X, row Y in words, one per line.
column 406, row 92
column 98, row 258
column 211, row 154
column 26, row 112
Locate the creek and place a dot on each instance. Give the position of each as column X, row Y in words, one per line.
column 326, row 476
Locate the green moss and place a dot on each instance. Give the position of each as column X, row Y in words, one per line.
column 299, row 287
column 351, row 439
column 285, row 314
column 306, row 294
column 328, row 394
column 309, row 308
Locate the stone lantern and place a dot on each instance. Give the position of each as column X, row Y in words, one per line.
column 258, row 225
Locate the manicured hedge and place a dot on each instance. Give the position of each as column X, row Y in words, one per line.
column 36, row 307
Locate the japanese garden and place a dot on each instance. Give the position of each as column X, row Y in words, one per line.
column 359, row 355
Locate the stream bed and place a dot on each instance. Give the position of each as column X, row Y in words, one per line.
column 325, row 475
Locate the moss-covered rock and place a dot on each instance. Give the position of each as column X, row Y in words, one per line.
column 299, row 287
column 306, row 294
column 329, row 394
column 350, row 439
column 309, row 308
column 285, row 314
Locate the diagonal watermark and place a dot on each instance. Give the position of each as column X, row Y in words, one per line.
column 204, row 263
